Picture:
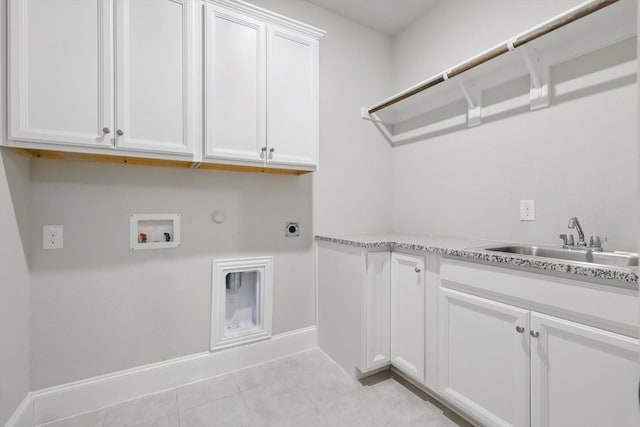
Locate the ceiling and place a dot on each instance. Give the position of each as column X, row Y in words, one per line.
column 387, row 16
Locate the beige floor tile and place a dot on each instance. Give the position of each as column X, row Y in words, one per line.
column 303, row 390
column 276, row 376
column 90, row 419
column 311, row 418
column 227, row 412
column 171, row 420
column 402, row 403
column 269, row 407
column 206, row 391
column 323, row 387
column 141, row 410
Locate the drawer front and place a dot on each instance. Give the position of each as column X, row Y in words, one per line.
column 607, row 307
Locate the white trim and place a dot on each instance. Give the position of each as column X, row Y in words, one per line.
column 23, row 415
column 270, row 17
column 99, row 392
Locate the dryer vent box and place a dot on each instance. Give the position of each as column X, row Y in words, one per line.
column 241, row 301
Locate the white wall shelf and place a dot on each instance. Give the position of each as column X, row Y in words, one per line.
column 154, row 231
column 426, row 108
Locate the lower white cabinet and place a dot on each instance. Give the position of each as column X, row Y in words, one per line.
column 408, row 314
column 507, row 366
column 377, row 345
column 378, row 308
column 353, row 306
column 582, row 376
column 484, row 359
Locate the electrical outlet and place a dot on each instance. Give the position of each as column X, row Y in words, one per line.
column 52, row 237
column 527, row 210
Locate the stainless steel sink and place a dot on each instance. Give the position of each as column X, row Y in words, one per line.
column 614, row 259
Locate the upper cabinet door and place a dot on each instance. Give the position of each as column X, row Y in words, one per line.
column 292, row 98
column 153, row 75
column 235, row 75
column 60, row 71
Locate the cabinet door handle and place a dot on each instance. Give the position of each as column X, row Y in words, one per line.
column 106, row 131
column 264, row 149
column 271, row 150
column 119, row 132
column 520, row 329
column 417, row 270
column 534, row 334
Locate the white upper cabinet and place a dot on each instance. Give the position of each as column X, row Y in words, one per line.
column 61, row 71
column 154, row 61
column 219, row 81
column 261, row 87
column 292, row 98
column 235, row 76
column 104, row 73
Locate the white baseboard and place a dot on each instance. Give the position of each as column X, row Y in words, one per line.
column 23, row 415
column 99, row 392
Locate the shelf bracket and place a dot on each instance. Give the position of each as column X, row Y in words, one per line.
column 474, row 102
column 539, row 77
column 364, row 114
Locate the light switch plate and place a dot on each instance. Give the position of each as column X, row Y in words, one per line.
column 52, row 237
column 527, row 210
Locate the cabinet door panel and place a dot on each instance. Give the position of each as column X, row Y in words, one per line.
column 484, row 360
column 153, row 66
column 407, row 314
column 292, row 98
column 235, row 75
column 60, row 71
column 377, row 306
column 582, row 376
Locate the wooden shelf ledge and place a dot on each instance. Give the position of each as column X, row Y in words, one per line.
column 140, row 161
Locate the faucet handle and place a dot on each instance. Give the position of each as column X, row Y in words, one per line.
column 597, row 241
column 567, row 239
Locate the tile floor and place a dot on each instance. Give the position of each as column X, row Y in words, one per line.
column 303, row 390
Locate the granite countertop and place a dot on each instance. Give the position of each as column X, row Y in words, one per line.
column 472, row 249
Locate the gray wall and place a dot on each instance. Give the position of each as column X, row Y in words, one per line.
column 14, row 272
column 14, row 283
column 99, row 308
column 352, row 190
column 577, row 158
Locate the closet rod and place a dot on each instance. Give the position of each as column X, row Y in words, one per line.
column 522, row 39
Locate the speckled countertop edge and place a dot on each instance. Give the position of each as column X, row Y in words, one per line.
column 470, row 249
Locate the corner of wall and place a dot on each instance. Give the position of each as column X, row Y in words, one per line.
column 15, row 286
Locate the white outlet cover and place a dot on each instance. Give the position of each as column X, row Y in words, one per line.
column 527, row 210
column 52, row 237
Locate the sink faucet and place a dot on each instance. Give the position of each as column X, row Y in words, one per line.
column 574, row 223
column 595, row 243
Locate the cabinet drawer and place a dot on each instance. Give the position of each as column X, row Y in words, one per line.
column 603, row 306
